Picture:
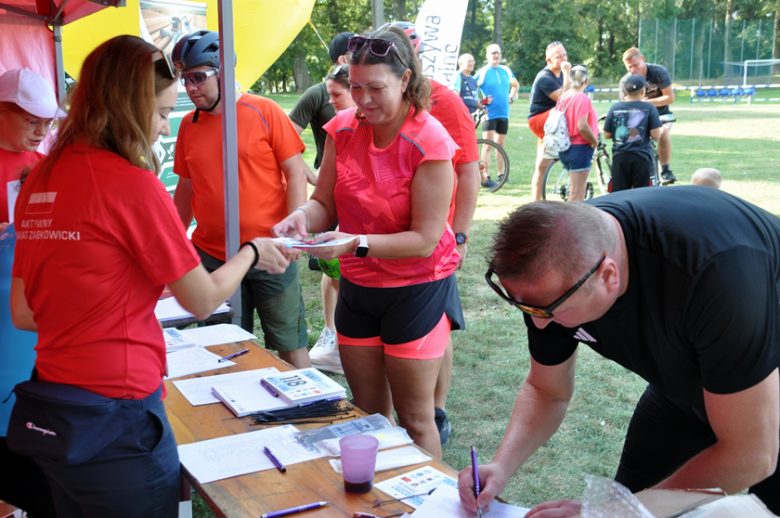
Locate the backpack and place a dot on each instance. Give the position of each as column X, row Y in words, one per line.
column 556, row 131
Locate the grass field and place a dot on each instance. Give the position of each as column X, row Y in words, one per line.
column 491, row 358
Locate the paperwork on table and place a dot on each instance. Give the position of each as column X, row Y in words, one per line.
column 170, row 309
column 198, row 390
column 445, row 501
column 193, row 360
column 234, row 455
column 416, row 482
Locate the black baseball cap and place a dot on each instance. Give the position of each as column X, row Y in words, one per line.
column 635, row 82
column 338, row 46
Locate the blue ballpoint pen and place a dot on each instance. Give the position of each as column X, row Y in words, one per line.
column 476, row 477
column 276, row 461
column 293, row 510
column 229, row 356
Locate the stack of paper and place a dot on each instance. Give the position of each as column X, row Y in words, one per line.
column 198, row 390
column 170, row 309
column 176, row 341
column 276, row 391
column 304, row 385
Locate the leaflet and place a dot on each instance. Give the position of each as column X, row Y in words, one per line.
column 294, row 243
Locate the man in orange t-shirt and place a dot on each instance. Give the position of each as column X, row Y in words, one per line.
column 272, row 183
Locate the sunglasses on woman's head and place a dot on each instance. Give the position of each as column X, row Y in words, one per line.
column 376, row 46
column 197, row 77
column 161, row 56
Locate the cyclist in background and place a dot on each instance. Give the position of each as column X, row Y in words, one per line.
column 465, row 85
column 583, row 126
column 548, row 86
column 631, row 123
column 500, row 86
column 660, row 94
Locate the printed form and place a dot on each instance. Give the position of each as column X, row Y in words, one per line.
column 225, row 457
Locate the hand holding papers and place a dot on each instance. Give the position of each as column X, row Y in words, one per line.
column 304, row 245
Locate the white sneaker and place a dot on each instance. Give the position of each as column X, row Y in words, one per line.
column 325, row 353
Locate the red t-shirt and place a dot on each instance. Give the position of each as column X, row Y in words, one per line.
column 448, row 108
column 11, row 166
column 373, row 195
column 266, row 137
column 97, row 241
column 578, row 106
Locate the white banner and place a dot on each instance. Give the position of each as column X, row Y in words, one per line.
column 440, row 23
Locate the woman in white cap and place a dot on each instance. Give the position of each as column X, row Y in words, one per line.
column 28, row 110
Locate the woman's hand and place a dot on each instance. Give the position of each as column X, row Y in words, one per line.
column 295, row 225
column 332, row 252
column 492, row 480
column 275, row 258
column 556, row 509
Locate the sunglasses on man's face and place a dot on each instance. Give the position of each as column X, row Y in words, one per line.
column 496, row 52
column 536, row 311
column 198, row 77
column 376, row 46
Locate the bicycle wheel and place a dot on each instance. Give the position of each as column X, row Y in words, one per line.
column 490, row 155
column 603, row 170
column 556, row 182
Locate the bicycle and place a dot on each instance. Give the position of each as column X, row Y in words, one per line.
column 557, row 181
column 501, row 158
column 603, row 165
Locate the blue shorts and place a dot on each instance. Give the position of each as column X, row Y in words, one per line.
column 577, row 158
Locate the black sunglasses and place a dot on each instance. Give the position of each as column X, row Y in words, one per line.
column 377, row 46
column 554, row 44
column 536, row 311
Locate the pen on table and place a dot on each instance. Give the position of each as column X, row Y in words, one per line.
column 476, row 477
column 229, row 356
column 293, row 510
column 273, row 458
column 269, row 388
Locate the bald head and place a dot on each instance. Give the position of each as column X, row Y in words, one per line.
column 466, row 63
column 493, row 54
column 708, row 177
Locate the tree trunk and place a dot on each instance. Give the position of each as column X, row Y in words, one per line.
column 399, row 10
column 726, row 46
column 301, row 74
column 497, row 23
column 377, row 13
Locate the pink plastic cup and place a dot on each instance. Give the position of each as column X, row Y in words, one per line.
column 358, row 460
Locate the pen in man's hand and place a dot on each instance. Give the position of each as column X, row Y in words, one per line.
column 476, row 477
column 229, row 356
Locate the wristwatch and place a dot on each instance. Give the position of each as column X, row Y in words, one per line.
column 461, row 238
column 362, row 248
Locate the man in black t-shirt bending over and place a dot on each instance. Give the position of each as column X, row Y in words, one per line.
column 679, row 286
column 660, row 94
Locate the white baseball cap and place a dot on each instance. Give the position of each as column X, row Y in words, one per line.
column 30, row 92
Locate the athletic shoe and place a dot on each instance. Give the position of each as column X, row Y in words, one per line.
column 489, row 184
column 667, row 177
column 443, row 424
column 325, row 353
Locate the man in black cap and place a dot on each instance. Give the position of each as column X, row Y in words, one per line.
column 631, row 123
column 313, row 107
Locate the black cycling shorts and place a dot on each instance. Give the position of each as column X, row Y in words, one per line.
column 500, row 126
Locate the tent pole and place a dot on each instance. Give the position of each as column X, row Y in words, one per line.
column 227, row 78
column 59, row 64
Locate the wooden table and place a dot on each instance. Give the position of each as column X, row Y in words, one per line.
column 270, row 490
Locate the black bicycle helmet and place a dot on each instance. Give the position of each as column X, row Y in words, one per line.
column 199, row 49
